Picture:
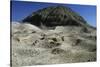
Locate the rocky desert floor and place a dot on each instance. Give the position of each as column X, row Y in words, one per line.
column 64, row 44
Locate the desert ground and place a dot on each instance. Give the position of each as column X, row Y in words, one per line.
column 65, row 44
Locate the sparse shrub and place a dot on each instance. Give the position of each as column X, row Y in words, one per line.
column 62, row 38
column 85, row 30
column 76, row 42
column 54, row 39
column 51, row 44
column 58, row 44
column 33, row 31
column 92, row 37
column 57, row 51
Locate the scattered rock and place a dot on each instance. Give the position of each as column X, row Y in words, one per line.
column 54, row 39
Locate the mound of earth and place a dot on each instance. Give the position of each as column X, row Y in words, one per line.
column 55, row 16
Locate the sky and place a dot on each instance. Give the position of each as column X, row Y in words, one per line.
column 21, row 9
